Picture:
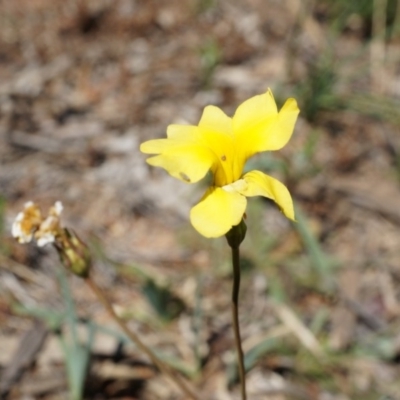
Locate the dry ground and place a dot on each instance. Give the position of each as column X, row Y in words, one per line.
column 82, row 83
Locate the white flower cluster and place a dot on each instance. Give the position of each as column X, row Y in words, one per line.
column 30, row 224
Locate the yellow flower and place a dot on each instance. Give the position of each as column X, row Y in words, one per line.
column 223, row 145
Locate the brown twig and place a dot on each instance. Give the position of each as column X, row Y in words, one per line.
column 164, row 368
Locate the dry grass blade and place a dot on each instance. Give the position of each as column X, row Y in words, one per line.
column 293, row 322
column 378, row 46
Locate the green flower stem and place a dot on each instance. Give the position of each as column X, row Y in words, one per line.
column 164, row 368
column 235, row 318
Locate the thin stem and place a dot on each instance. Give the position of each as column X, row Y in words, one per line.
column 164, row 368
column 235, row 318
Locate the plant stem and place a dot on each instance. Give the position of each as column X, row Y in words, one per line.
column 164, row 368
column 235, row 318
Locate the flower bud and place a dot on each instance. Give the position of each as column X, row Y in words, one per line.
column 74, row 254
column 237, row 234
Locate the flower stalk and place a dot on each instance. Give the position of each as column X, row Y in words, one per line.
column 235, row 319
column 234, row 237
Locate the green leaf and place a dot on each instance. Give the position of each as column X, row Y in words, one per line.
column 164, row 302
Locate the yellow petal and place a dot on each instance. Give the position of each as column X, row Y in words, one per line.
column 216, row 132
column 260, row 184
column 157, row 146
column 253, row 110
column 282, row 130
column 187, row 162
column 182, row 155
column 259, row 127
column 217, row 212
column 183, row 132
column 177, row 135
column 215, row 120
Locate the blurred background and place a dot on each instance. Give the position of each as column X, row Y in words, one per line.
column 83, row 83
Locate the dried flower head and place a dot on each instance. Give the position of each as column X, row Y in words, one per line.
column 50, row 227
column 27, row 223
column 30, row 223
